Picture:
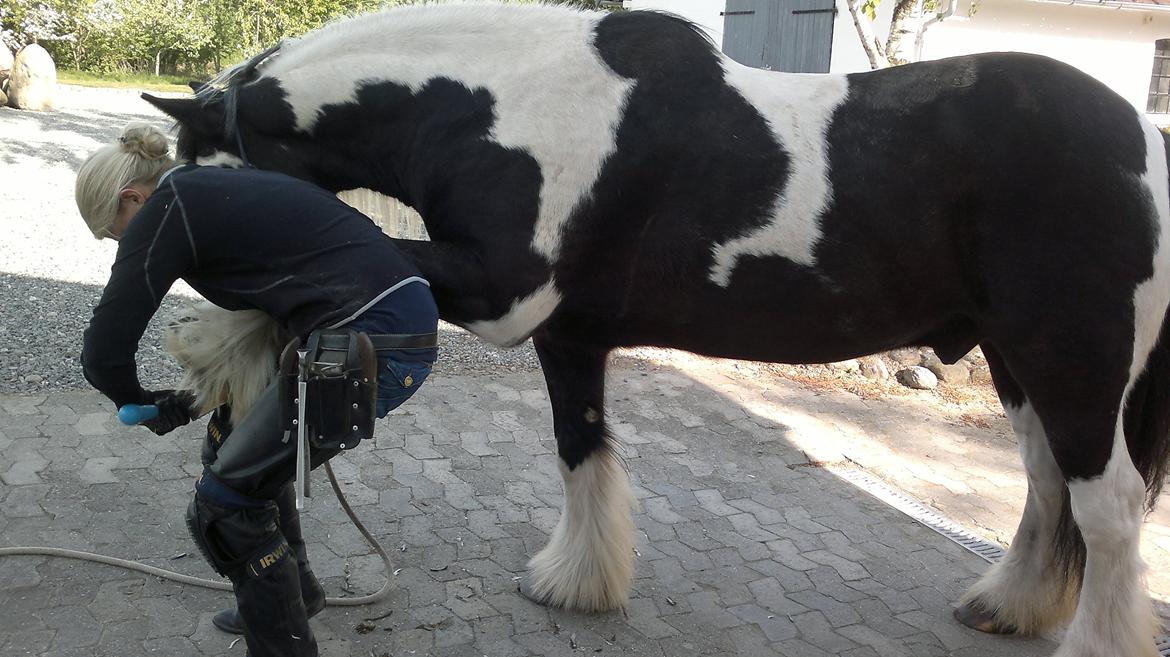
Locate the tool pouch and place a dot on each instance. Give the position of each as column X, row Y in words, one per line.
column 341, row 374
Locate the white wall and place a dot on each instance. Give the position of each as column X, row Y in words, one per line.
column 1115, row 46
column 848, row 55
column 704, row 13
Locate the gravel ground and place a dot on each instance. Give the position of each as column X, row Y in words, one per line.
column 52, row 270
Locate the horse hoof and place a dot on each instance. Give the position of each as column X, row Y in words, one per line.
column 982, row 620
column 526, row 589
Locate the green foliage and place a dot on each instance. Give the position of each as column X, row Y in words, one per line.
column 185, row 37
column 870, row 7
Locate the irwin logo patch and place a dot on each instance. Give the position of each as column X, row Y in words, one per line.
column 258, row 566
column 214, row 432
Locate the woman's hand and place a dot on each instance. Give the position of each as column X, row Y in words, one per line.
column 175, row 409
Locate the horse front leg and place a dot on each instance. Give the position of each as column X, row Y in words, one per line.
column 588, row 563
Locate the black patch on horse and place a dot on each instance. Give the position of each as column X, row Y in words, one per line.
column 695, row 164
column 441, row 160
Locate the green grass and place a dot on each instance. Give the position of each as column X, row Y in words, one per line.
column 125, row 80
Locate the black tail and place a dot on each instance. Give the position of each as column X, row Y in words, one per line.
column 1147, row 416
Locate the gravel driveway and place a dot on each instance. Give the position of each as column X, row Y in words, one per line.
column 52, row 270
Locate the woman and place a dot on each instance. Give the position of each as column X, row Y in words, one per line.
column 246, row 239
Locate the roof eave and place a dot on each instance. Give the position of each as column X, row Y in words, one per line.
column 1109, row 4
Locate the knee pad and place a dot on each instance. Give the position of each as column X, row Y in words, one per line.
column 238, row 541
column 200, row 519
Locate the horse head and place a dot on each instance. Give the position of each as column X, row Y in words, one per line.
column 243, row 118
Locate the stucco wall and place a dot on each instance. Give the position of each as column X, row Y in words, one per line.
column 1115, row 46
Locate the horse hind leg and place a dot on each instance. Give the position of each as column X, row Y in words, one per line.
column 1084, row 419
column 588, row 562
column 1035, row 587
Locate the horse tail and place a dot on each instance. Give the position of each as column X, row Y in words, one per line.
column 1147, row 410
column 228, row 357
column 1147, row 417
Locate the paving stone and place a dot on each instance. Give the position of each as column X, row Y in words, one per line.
column 737, row 555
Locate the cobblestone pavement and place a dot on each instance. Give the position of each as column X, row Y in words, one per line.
column 744, row 548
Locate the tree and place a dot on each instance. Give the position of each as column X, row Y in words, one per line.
column 154, row 29
column 27, row 21
column 908, row 19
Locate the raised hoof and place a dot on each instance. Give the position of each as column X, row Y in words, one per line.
column 982, row 620
column 526, row 589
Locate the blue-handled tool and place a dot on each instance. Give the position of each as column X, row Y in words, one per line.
column 132, row 414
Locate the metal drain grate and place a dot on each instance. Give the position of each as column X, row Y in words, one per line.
column 972, row 542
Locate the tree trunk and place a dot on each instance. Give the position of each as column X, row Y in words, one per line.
column 873, row 48
column 157, row 57
column 903, row 11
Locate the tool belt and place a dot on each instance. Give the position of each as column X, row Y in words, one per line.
column 340, row 370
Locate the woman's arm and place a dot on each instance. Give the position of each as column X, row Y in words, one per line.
column 153, row 254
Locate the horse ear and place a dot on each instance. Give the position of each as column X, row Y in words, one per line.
column 203, row 118
column 196, row 86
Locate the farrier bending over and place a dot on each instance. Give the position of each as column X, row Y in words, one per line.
column 247, row 239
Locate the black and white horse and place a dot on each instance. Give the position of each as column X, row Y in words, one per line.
column 594, row 180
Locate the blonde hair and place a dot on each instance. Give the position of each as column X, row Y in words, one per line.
column 139, row 156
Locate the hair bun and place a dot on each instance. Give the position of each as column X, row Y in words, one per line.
column 145, row 141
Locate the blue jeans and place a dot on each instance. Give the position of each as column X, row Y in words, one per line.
column 400, row 373
column 410, row 309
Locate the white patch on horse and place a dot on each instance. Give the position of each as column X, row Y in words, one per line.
column 522, row 319
column 798, row 108
column 1023, row 590
column 1152, row 296
column 589, row 560
column 220, row 159
column 1114, row 616
column 555, row 98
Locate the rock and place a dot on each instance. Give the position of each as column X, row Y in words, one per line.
column 33, row 84
column 955, row 374
column 5, row 62
column 846, row 366
column 918, row 378
column 873, row 367
column 907, row 357
column 976, row 357
column 980, row 374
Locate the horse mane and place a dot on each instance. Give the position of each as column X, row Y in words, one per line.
column 224, row 88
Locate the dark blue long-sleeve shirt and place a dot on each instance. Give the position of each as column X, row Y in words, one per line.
column 244, row 239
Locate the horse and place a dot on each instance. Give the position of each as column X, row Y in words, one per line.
column 596, row 180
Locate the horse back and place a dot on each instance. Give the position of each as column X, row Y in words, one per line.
column 808, row 218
